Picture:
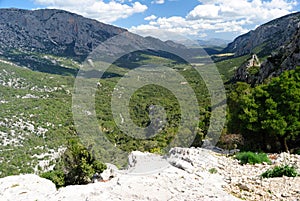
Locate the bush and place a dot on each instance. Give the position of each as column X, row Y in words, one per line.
column 279, row 171
column 57, row 177
column 252, row 158
column 79, row 164
column 253, row 70
column 213, row 171
column 76, row 166
column 297, row 152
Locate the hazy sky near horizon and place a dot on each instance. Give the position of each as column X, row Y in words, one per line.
column 196, row 19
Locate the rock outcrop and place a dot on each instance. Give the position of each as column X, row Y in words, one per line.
column 248, row 71
column 287, row 58
column 189, row 174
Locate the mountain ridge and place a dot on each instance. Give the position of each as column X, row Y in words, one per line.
column 52, row 31
column 287, row 57
column 266, row 38
column 278, row 49
column 27, row 37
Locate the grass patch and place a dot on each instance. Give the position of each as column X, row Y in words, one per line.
column 252, row 158
column 228, row 67
column 253, row 70
column 279, row 171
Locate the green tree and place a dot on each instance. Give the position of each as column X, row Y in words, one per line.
column 240, row 96
column 283, row 112
column 79, row 165
column 270, row 109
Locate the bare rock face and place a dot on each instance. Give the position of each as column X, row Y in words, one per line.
column 52, row 31
column 175, row 182
column 279, row 39
column 170, row 183
column 267, row 37
column 25, row 188
column 287, row 58
column 249, row 70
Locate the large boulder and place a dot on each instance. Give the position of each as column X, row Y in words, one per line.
column 26, row 188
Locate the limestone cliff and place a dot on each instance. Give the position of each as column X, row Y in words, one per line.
column 266, row 38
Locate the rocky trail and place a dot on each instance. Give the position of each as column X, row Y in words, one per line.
column 185, row 174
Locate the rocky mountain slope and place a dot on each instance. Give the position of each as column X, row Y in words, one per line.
column 266, row 38
column 28, row 38
column 187, row 175
column 287, row 57
column 52, row 31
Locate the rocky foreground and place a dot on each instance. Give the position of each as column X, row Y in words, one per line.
column 186, row 174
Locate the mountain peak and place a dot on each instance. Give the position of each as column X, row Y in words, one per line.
column 52, row 31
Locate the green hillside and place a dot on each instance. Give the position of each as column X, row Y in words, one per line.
column 35, row 117
column 36, row 112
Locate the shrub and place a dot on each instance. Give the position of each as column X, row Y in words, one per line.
column 213, row 171
column 57, row 177
column 76, row 166
column 156, row 150
column 279, row 171
column 297, row 152
column 252, row 158
column 253, row 70
column 79, row 164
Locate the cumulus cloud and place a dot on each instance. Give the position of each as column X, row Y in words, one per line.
column 97, row 9
column 204, row 11
column 150, row 18
column 158, row 2
column 254, row 11
column 227, row 16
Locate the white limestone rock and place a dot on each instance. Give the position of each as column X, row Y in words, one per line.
column 26, row 188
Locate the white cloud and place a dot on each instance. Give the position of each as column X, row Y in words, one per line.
column 203, row 35
column 204, row 11
column 178, row 34
column 150, row 18
column 256, row 11
column 221, row 16
column 158, row 2
column 97, row 9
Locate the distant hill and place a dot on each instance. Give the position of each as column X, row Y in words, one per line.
column 266, row 38
column 213, row 42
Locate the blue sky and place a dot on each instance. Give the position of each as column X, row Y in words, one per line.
column 195, row 19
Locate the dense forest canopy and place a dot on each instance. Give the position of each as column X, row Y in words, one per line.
column 268, row 113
